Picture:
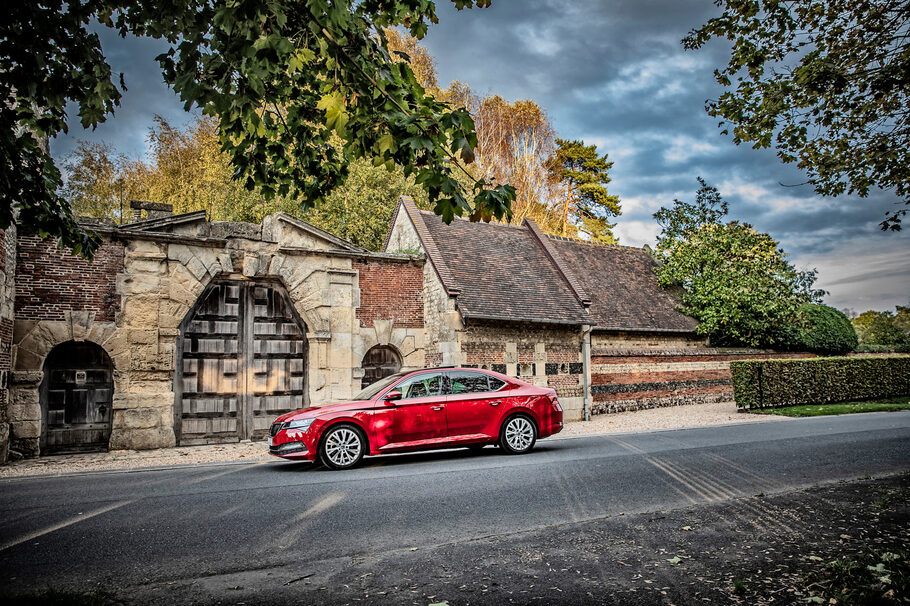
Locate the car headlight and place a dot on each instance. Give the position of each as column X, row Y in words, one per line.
column 301, row 424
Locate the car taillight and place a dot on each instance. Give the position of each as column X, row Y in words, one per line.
column 554, row 401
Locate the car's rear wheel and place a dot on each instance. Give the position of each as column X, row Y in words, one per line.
column 518, row 434
column 342, row 447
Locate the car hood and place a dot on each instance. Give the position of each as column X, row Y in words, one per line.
column 314, row 411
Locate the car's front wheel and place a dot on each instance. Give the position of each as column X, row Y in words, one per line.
column 518, row 435
column 342, row 447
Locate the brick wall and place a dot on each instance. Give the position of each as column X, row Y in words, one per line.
column 50, row 281
column 647, row 377
column 390, row 291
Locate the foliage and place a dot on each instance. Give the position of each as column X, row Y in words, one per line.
column 826, row 83
column 582, row 173
column 190, row 172
column 840, row 408
column 283, row 78
column 360, row 210
column 883, row 327
column 515, row 141
column 880, row 577
column 733, row 279
column 773, row 383
column 820, row 329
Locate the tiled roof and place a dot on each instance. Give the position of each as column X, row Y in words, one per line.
column 507, row 272
column 502, row 272
column 622, row 286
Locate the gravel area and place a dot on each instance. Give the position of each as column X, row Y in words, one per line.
column 675, row 417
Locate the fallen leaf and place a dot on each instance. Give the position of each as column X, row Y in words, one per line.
column 674, row 560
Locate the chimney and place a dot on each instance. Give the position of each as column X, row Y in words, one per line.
column 153, row 210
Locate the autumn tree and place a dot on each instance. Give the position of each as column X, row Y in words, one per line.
column 96, row 183
column 282, row 79
column 826, row 83
column 735, row 280
column 586, row 206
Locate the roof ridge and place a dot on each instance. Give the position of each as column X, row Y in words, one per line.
column 442, row 269
column 594, row 244
column 430, row 213
column 561, row 267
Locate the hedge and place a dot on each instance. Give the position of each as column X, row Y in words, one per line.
column 773, row 383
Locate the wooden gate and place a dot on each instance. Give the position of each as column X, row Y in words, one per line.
column 242, row 362
column 76, row 395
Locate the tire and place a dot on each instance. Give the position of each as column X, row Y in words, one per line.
column 342, row 447
column 518, row 434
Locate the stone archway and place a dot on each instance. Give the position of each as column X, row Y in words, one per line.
column 76, row 396
column 241, row 362
column 379, row 362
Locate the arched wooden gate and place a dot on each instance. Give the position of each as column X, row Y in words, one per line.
column 242, row 360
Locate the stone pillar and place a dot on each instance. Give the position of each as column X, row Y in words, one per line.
column 25, row 413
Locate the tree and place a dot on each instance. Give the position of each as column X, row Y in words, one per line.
column 826, row 82
column 95, row 185
column 821, row 329
column 281, row 77
column 582, row 174
column 882, row 327
column 360, row 210
column 733, row 279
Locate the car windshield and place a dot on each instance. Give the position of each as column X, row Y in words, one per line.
column 375, row 388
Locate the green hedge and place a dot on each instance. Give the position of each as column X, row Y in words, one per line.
column 773, row 383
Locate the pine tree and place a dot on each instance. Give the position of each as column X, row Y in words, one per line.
column 588, row 206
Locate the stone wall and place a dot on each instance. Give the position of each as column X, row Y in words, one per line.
column 652, row 377
column 7, row 307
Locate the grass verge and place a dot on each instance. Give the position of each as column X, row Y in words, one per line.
column 838, row 408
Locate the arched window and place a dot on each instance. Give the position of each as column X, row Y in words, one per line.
column 76, row 396
column 380, row 362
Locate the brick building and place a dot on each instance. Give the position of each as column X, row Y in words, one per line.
column 185, row 331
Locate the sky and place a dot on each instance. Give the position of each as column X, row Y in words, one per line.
column 613, row 74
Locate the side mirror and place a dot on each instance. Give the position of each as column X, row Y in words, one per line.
column 391, row 397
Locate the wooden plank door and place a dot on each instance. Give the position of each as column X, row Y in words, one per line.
column 243, row 361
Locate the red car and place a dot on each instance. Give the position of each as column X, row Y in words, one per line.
column 420, row 410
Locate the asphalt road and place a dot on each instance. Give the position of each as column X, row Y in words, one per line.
column 269, row 523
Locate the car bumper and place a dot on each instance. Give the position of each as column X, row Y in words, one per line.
column 293, row 445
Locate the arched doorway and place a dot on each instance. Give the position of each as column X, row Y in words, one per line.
column 76, row 398
column 242, row 360
column 379, row 362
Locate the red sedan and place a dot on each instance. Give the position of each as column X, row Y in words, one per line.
column 420, row 410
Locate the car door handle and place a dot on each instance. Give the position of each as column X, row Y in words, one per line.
column 436, row 407
column 496, row 403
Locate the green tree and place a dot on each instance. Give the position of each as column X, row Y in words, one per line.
column 734, row 280
column 281, row 77
column 582, row 174
column 821, row 329
column 360, row 210
column 826, row 83
column 881, row 328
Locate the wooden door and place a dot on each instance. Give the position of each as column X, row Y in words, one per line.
column 77, row 394
column 242, row 363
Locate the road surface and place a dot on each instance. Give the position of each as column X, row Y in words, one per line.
column 274, row 524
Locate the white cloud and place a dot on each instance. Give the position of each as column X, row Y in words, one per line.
column 636, row 233
column 683, row 148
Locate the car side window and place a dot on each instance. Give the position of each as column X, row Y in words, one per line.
column 468, row 382
column 420, row 386
column 496, row 384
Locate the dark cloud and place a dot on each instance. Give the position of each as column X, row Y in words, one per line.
column 614, row 73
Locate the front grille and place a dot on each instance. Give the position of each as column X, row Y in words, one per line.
column 275, row 428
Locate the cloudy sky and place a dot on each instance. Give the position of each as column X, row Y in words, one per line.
column 614, row 74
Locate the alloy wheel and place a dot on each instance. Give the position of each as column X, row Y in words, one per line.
column 519, row 434
column 343, row 447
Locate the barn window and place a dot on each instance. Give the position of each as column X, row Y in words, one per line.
column 378, row 363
